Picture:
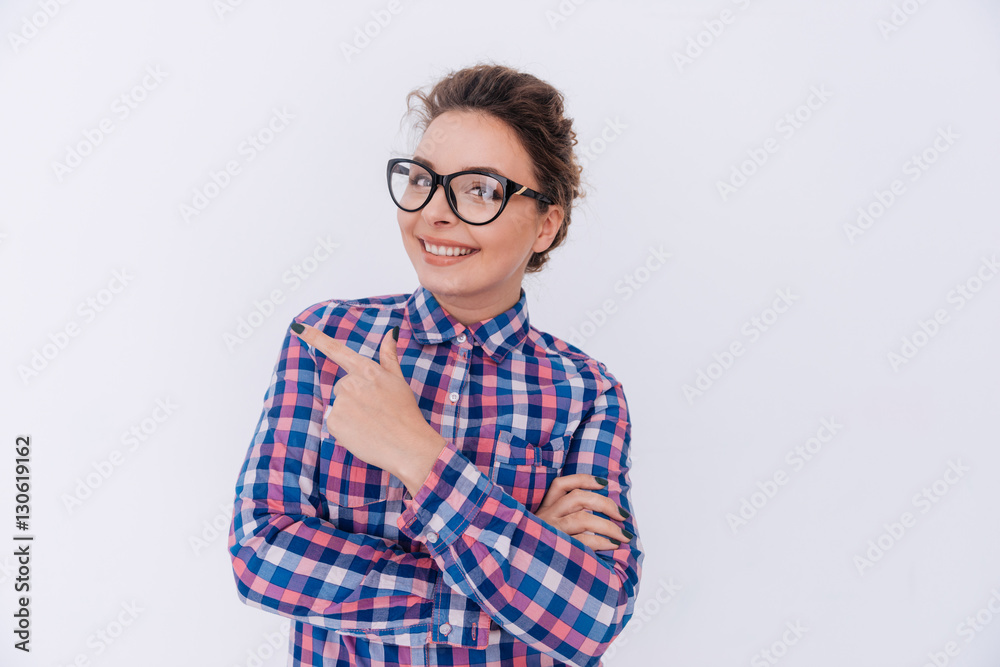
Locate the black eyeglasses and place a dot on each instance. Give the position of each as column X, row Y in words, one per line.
column 476, row 197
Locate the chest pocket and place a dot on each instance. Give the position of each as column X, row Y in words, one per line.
column 524, row 469
column 351, row 482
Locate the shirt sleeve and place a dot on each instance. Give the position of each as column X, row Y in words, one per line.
column 538, row 583
column 286, row 557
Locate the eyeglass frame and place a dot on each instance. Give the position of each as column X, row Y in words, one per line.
column 509, row 186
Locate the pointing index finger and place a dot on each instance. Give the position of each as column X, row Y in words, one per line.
column 336, row 350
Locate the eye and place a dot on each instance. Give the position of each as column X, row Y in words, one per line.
column 485, row 190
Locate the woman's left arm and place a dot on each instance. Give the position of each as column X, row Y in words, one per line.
column 541, row 585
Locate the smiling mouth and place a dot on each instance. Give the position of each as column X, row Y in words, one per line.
column 446, row 251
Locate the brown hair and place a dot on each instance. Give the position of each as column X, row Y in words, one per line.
column 534, row 111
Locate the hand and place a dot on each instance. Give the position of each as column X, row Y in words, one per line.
column 375, row 415
column 566, row 504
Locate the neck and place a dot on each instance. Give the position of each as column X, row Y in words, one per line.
column 470, row 309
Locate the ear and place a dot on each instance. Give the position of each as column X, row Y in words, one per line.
column 551, row 222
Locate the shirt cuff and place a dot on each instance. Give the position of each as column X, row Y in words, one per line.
column 451, row 497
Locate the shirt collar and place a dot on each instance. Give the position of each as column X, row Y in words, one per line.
column 497, row 335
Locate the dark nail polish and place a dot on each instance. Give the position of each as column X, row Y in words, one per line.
column 601, row 481
column 627, row 535
column 624, row 512
column 297, row 328
column 395, row 333
column 615, row 542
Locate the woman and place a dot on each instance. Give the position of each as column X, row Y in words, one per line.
column 433, row 481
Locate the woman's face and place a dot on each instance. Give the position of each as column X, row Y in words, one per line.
column 486, row 281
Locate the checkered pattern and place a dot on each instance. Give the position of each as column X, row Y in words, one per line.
column 463, row 573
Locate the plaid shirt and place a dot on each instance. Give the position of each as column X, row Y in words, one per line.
column 463, row 573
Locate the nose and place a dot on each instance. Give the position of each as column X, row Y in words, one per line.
column 438, row 209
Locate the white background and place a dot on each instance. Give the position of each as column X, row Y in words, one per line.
column 681, row 127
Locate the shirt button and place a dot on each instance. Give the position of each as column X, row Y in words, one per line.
column 432, row 537
column 445, row 628
column 461, row 338
column 453, row 396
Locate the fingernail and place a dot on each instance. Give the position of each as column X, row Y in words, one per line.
column 627, row 535
column 624, row 512
column 297, row 328
column 601, row 481
column 615, row 542
column 395, row 333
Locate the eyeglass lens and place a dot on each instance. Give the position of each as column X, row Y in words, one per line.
column 476, row 197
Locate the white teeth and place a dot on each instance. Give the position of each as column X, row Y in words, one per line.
column 446, row 251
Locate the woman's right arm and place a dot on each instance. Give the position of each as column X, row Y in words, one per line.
column 289, row 560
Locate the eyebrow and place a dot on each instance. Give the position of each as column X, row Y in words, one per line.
column 488, row 168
